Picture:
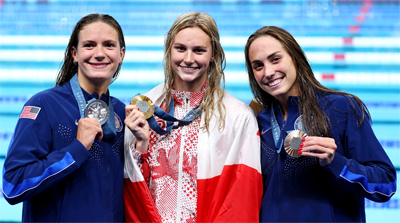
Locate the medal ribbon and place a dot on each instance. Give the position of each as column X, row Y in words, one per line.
column 276, row 131
column 109, row 129
column 170, row 118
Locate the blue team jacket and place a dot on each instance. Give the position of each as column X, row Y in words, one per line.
column 300, row 190
column 53, row 174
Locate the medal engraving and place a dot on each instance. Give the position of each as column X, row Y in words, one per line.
column 97, row 109
column 292, row 142
column 144, row 104
column 295, row 143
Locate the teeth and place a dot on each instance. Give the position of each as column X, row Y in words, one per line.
column 275, row 83
column 189, row 68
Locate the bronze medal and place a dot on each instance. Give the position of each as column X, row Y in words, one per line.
column 292, row 142
column 144, row 104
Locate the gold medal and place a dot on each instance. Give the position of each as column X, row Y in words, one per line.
column 292, row 142
column 144, row 104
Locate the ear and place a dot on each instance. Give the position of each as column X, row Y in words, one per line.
column 212, row 59
column 122, row 54
column 74, row 52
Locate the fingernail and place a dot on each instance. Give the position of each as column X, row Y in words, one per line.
column 301, row 145
column 138, row 109
column 303, row 139
column 299, row 152
column 300, row 148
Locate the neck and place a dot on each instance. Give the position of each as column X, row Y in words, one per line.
column 284, row 107
column 91, row 86
column 194, row 86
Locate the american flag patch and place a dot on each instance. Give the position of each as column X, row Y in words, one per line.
column 30, row 112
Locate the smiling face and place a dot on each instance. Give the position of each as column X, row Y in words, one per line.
column 273, row 68
column 98, row 54
column 191, row 54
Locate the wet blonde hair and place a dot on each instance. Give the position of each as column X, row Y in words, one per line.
column 215, row 71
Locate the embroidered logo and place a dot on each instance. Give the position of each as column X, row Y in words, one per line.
column 262, row 133
column 118, row 123
column 30, row 112
column 299, row 124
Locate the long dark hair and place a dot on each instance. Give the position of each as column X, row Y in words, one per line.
column 315, row 120
column 69, row 68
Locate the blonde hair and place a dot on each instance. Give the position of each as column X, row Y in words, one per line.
column 215, row 71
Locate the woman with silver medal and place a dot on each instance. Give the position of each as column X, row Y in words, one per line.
column 65, row 161
column 331, row 159
column 199, row 162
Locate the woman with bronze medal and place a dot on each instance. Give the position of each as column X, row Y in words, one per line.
column 65, row 161
column 200, row 160
column 319, row 155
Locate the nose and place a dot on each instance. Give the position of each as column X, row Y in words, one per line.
column 269, row 72
column 99, row 53
column 188, row 57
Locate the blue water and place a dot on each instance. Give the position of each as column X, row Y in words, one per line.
column 303, row 18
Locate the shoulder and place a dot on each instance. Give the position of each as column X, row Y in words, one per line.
column 340, row 102
column 235, row 107
column 156, row 94
column 51, row 96
column 344, row 106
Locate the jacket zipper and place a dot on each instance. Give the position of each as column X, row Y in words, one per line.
column 279, row 178
column 180, row 176
column 108, row 186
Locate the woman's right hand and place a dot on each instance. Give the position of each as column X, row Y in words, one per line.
column 88, row 130
column 138, row 125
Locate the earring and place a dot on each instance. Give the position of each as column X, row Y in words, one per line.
column 75, row 62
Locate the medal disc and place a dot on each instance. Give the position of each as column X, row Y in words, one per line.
column 97, row 109
column 144, row 104
column 292, row 142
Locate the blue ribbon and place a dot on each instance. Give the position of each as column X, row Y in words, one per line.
column 109, row 129
column 189, row 117
column 276, row 131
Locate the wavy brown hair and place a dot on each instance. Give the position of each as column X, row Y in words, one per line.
column 68, row 68
column 215, row 71
column 315, row 120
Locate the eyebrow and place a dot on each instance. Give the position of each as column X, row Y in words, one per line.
column 273, row 54
column 197, row 46
column 92, row 41
column 269, row 57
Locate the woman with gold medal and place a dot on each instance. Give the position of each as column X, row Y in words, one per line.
column 200, row 160
column 319, row 155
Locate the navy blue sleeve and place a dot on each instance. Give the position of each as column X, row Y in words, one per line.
column 31, row 165
column 363, row 168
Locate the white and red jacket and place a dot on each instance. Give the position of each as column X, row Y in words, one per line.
column 229, row 182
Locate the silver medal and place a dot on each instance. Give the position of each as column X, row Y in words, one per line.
column 97, row 109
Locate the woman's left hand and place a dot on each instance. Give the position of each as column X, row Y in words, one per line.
column 322, row 148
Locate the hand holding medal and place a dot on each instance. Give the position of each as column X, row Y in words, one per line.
column 322, row 148
column 89, row 129
column 136, row 114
